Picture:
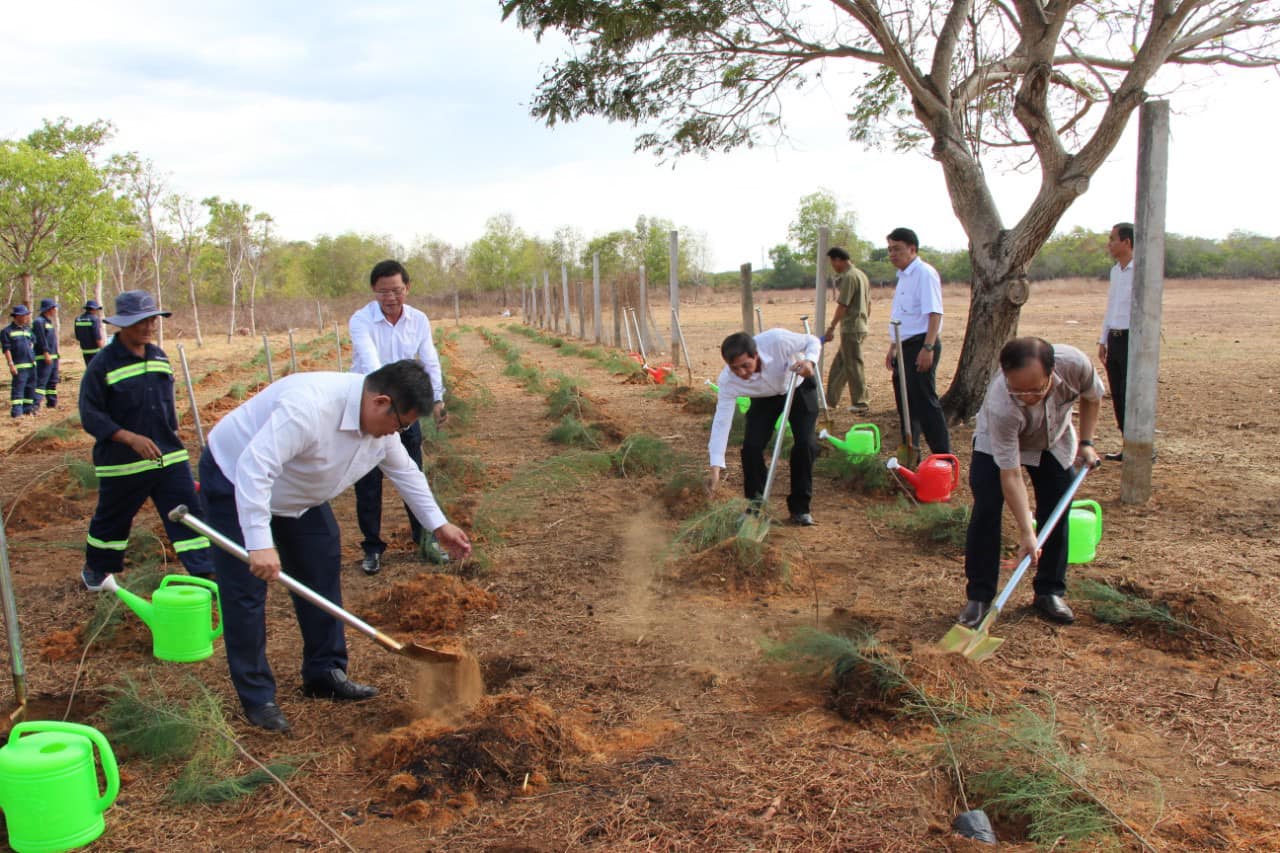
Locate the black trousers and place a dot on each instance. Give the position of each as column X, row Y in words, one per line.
column 761, row 418
column 982, row 544
column 1118, row 370
column 120, row 498
column 46, row 383
column 369, row 496
column 922, row 395
column 310, row 552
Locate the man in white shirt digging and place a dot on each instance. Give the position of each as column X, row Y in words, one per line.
column 270, row 469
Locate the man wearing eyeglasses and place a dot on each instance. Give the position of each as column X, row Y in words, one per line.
column 387, row 330
column 267, row 477
column 1025, row 422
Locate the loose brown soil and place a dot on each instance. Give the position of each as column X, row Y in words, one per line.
column 628, row 683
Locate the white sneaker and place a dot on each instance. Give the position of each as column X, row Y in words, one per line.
column 94, row 581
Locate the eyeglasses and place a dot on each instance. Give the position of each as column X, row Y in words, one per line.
column 1020, row 396
column 401, row 426
column 393, row 293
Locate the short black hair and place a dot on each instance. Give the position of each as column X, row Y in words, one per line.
column 386, row 269
column 737, row 344
column 407, row 384
column 905, row 235
column 1020, row 352
column 1124, row 230
column 838, row 254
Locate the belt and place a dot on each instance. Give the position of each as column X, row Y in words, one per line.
column 1115, row 333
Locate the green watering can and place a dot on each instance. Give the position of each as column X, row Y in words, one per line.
column 179, row 614
column 861, row 440
column 49, row 786
column 1084, row 531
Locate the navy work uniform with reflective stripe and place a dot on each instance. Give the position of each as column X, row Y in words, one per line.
column 20, row 344
column 45, row 335
column 121, row 391
column 88, row 333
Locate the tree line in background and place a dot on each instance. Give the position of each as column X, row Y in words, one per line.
column 73, row 223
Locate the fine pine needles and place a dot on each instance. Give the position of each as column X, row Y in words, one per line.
column 942, row 525
column 644, row 454
column 574, row 433
column 710, row 527
column 864, row 475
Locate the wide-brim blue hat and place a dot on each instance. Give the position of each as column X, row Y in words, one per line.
column 133, row 306
column 92, row 305
column 46, row 304
column 19, row 311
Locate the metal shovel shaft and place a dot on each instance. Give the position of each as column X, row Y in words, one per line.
column 10, row 606
column 777, row 445
column 817, row 375
column 907, row 436
column 182, row 515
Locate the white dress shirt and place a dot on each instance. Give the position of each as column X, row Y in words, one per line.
column 917, row 295
column 778, row 350
column 1119, row 300
column 375, row 342
column 297, row 443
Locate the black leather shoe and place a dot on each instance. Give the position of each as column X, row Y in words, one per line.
column 1053, row 608
column 1114, row 457
column 802, row 519
column 335, row 685
column 372, row 563
column 974, row 612
column 268, row 716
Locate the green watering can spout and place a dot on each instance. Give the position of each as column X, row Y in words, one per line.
column 136, row 603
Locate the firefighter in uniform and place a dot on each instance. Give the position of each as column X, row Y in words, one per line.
column 19, row 354
column 126, row 403
column 89, row 330
column 44, row 329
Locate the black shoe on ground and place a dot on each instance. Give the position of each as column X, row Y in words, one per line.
column 372, row 563
column 974, row 612
column 93, row 581
column 1053, row 608
column 268, row 716
column 801, row 519
column 334, row 684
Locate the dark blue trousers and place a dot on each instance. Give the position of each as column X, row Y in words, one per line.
column 310, row 552
column 120, row 498
column 982, row 544
column 22, row 392
column 761, row 417
column 369, row 496
column 46, row 383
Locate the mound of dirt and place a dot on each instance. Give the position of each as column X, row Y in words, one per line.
column 429, row 604
column 738, row 564
column 1222, row 624
column 61, row 645
column 506, row 745
column 683, row 499
column 43, row 503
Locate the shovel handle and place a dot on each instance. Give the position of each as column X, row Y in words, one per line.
column 1045, row 532
column 182, row 515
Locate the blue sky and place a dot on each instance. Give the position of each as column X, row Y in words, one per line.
column 411, row 119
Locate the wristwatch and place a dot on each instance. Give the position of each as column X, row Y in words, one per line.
column 933, row 347
column 1085, row 442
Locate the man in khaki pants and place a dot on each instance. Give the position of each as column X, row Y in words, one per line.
column 853, row 298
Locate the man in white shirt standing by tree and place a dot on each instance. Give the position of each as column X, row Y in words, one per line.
column 1113, row 343
column 917, row 305
column 387, row 330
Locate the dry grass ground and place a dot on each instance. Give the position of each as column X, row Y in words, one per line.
column 630, row 705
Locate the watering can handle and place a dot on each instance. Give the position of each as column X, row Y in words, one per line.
column 955, row 467
column 1097, row 512
column 110, row 771
column 201, row 582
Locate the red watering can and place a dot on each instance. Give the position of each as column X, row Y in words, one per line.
column 934, row 480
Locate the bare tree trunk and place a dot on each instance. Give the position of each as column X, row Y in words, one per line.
column 195, row 307
column 253, row 295
column 231, row 323
column 29, row 289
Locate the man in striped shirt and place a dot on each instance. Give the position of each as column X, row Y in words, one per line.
column 126, row 403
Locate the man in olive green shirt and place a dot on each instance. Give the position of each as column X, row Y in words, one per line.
column 853, row 298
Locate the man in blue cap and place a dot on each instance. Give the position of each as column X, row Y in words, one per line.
column 89, row 330
column 126, row 403
column 19, row 353
column 44, row 330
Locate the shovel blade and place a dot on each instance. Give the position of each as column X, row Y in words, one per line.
column 754, row 528
column 417, row 651
column 974, row 643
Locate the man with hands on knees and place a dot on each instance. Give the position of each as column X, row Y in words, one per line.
column 760, row 368
column 271, row 468
column 1025, row 422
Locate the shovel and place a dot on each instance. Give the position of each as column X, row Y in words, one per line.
column 975, row 643
column 411, row 649
column 755, row 526
column 906, row 450
column 10, row 606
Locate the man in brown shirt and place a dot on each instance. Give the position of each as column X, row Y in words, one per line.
column 1025, row 421
column 853, row 298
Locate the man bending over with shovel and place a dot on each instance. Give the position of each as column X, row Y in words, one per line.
column 271, row 468
column 1025, row 421
column 761, row 368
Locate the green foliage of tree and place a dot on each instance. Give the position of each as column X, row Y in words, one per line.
column 818, row 209
column 788, row 270
column 496, row 260
column 340, row 265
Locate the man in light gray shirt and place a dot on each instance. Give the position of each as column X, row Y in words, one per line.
column 1025, row 422
column 1113, row 343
